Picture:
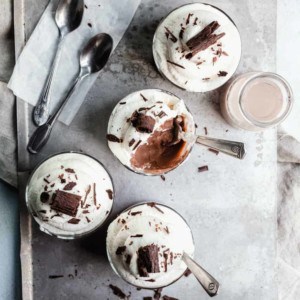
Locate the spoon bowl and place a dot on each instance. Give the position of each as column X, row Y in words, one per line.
column 68, row 15
column 95, row 54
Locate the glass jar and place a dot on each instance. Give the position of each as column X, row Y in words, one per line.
column 256, row 101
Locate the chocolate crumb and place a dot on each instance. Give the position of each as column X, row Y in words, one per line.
column 69, row 170
column 120, row 250
column 110, row 194
column 55, row 276
column 205, row 79
column 85, row 6
column 117, row 291
column 163, row 177
column 213, row 150
column 144, row 98
column 131, row 142
column 74, row 221
column 187, row 272
column 44, row 197
column 175, row 64
column 222, row 73
column 89, row 24
column 69, row 186
column 203, row 169
column 61, row 177
column 142, row 122
column 165, row 297
column 52, row 185
column 113, row 138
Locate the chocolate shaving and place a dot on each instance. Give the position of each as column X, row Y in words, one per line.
column 189, row 56
column 110, row 194
column 95, row 196
column 136, row 213
column 131, row 142
column 42, row 211
column 147, row 261
column 85, row 212
column 153, row 204
column 74, row 221
column 187, row 272
column 146, row 108
column 165, row 297
column 120, row 250
column 61, row 177
column 203, row 169
column 214, row 60
column 47, row 181
column 188, row 18
column 165, row 254
column 86, row 195
column 89, row 24
column 162, row 114
column 113, row 138
column 52, row 185
column 222, row 73
column 88, row 220
column 205, row 79
column 142, row 123
column 69, row 170
column 163, row 177
column 173, row 38
column 122, row 103
column 175, row 64
column 167, row 229
column 157, row 294
column 55, row 276
column 69, row 186
column 137, row 144
column 150, row 280
column 65, row 203
column 128, row 259
column 205, row 130
column 117, row 291
column 205, row 38
column 147, row 298
column 44, row 197
column 144, row 98
column 213, row 150
column 195, row 21
column 181, row 32
column 136, row 236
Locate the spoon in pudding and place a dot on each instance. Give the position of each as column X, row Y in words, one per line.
column 93, row 58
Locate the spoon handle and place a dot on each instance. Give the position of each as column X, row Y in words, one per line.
column 235, row 149
column 41, row 135
column 41, row 110
column 208, row 282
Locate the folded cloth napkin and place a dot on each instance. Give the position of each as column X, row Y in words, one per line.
column 32, row 67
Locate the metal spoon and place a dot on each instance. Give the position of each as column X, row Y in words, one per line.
column 232, row 148
column 92, row 59
column 208, row 282
column 68, row 17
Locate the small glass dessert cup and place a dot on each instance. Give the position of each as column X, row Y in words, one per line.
column 197, row 47
column 145, row 244
column 256, row 101
column 143, row 131
column 69, row 195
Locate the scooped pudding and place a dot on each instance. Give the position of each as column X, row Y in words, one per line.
column 145, row 244
column 69, row 195
column 197, row 47
column 145, row 131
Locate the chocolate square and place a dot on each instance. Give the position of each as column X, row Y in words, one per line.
column 65, row 203
column 148, row 261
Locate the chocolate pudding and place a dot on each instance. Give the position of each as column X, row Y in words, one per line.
column 151, row 131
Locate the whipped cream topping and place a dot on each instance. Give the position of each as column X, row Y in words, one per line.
column 144, row 225
column 73, row 173
column 159, row 105
column 208, row 69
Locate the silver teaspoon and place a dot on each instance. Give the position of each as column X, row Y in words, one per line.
column 92, row 59
column 68, row 17
column 208, row 282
